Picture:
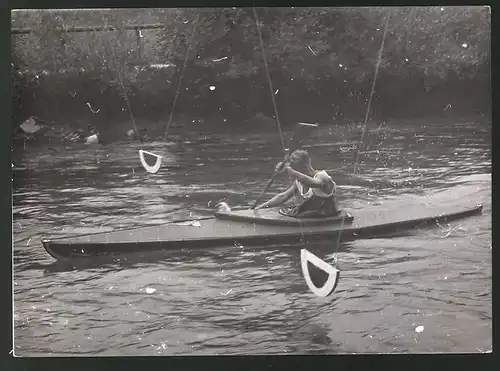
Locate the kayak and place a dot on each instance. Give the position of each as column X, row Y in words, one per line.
column 263, row 228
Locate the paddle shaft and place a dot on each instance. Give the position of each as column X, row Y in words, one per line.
column 267, row 186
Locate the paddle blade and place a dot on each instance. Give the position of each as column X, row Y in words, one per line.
column 301, row 132
column 153, row 169
column 331, row 271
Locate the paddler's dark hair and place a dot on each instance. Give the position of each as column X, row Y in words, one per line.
column 300, row 156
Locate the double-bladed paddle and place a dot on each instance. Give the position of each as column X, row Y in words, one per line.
column 301, row 132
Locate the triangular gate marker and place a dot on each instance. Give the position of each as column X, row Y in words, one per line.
column 333, row 273
column 150, row 169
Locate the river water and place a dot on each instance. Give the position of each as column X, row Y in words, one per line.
column 239, row 300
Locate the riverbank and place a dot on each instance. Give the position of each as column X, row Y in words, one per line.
column 429, row 68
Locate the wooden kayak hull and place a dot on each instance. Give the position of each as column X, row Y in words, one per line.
column 272, row 216
column 216, row 232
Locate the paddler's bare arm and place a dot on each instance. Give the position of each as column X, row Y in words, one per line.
column 305, row 179
column 279, row 199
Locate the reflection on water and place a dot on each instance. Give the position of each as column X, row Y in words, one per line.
column 241, row 300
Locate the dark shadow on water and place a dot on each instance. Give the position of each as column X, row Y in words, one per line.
column 220, row 256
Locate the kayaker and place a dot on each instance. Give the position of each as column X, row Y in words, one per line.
column 313, row 192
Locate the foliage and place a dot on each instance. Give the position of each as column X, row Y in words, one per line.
column 425, row 38
column 342, row 43
column 313, row 48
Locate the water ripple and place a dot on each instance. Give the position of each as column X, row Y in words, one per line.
column 249, row 301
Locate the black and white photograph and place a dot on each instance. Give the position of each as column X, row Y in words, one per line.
column 223, row 181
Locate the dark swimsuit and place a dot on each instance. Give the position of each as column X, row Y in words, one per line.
column 314, row 206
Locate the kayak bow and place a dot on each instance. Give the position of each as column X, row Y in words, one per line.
column 252, row 228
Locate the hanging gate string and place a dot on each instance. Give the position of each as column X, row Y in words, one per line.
column 178, row 85
column 366, row 114
column 120, row 80
column 181, row 77
column 270, row 83
column 156, row 167
column 268, row 75
column 361, row 142
column 371, row 93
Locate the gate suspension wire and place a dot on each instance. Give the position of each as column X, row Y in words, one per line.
column 270, row 83
column 125, row 96
column 366, row 114
column 361, row 142
column 154, row 168
column 268, row 75
column 167, row 126
column 332, row 281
